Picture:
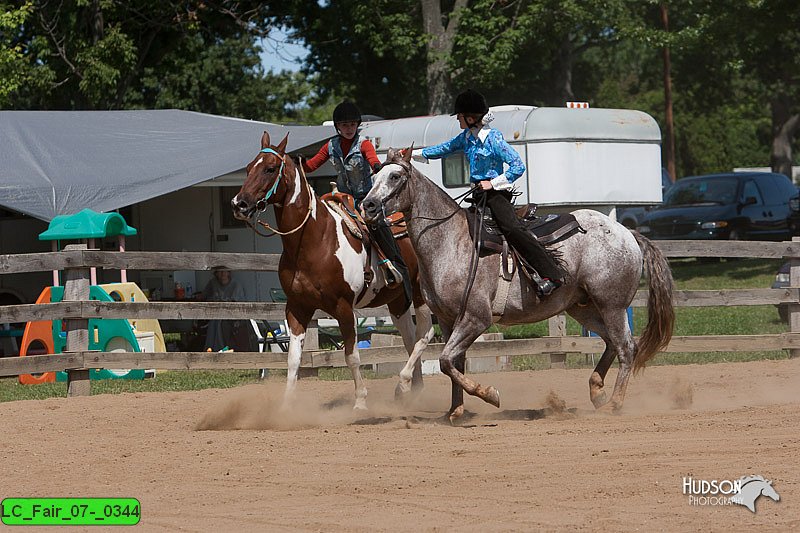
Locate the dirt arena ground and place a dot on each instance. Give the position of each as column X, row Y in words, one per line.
column 229, row 460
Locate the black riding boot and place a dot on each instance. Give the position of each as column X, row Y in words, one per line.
column 523, row 242
column 382, row 234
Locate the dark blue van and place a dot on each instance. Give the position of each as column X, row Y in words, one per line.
column 733, row 205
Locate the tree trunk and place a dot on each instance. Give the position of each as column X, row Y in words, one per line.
column 440, row 45
column 563, row 90
column 98, row 26
column 784, row 127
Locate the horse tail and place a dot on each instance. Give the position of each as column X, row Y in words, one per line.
column 660, row 309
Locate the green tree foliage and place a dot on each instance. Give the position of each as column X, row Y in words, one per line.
column 522, row 51
column 371, row 52
column 105, row 54
column 15, row 70
column 539, row 51
column 734, row 62
column 221, row 78
column 12, row 66
column 737, row 92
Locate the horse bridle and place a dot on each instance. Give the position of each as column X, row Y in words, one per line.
column 261, row 205
column 395, row 192
column 473, row 267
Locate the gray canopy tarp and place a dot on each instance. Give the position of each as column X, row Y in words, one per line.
column 60, row 162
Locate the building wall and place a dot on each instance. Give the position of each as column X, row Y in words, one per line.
column 20, row 235
column 194, row 220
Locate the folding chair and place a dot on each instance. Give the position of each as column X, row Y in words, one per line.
column 271, row 337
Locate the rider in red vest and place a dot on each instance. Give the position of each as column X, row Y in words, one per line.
column 355, row 161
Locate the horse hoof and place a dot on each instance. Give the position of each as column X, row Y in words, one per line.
column 361, row 405
column 455, row 414
column 492, row 396
column 611, row 408
column 599, row 399
column 402, row 391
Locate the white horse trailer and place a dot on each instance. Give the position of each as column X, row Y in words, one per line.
column 573, row 157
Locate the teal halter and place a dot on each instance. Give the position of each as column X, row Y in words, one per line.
column 261, row 205
column 270, row 192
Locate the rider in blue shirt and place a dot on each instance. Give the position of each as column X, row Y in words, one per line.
column 487, row 151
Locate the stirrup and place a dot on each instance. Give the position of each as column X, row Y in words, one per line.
column 391, row 276
column 546, row 287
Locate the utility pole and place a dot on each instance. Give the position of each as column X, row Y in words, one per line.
column 669, row 141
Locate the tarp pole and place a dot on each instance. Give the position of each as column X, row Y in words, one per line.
column 123, row 274
column 54, row 247
column 93, row 270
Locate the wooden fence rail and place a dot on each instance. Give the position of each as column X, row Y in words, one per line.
column 390, row 354
column 190, row 310
column 76, row 310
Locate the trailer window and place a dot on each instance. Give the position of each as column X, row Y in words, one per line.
column 455, row 171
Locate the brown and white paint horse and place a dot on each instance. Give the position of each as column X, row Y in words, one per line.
column 322, row 267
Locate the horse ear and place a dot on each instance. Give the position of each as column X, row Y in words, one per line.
column 407, row 153
column 391, row 155
column 282, row 145
column 265, row 140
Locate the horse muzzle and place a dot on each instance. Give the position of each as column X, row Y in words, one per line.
column 372, row 209
column 242, row 210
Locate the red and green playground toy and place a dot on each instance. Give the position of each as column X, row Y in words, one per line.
column 106, row 335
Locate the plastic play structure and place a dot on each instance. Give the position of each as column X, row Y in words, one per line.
column 107, row 335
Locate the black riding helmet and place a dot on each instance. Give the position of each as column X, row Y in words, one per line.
column 470, row 102
column 346, row 112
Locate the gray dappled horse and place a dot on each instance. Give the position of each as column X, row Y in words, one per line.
column 603, row 266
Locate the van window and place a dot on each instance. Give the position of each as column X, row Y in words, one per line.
column 770, row 190
column 751, row 189
column 455, row 171
column 715, row 190
column 782, row 189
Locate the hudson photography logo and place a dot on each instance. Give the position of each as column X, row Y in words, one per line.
column 743, row 491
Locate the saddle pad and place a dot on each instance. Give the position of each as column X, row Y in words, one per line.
column 554, row 228
column 547, row 229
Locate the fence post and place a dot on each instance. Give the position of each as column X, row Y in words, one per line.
column 794, row 308
column 76, row 288
column 557, row 327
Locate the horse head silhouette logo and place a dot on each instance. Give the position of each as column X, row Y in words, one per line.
column 752, row 488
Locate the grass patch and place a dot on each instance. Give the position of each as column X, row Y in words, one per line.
column 165, row 381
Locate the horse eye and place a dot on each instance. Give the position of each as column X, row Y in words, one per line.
column 272, row 169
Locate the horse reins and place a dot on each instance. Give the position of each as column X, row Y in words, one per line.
column 473, row 268
column 396, row 191
column 473, row 262
column 261, row 205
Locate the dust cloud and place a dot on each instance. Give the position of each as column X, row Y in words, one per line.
column 682, row 393
column 259, row 407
